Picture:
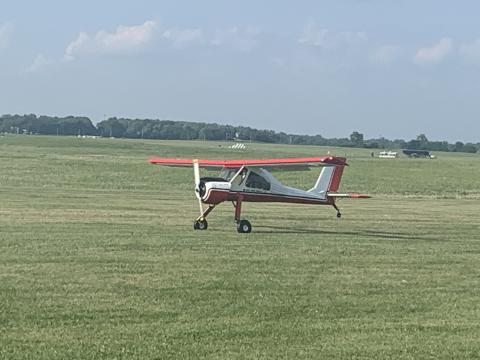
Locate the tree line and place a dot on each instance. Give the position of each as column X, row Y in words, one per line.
column 184, row 130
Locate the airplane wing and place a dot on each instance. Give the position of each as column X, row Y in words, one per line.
column 284, row 163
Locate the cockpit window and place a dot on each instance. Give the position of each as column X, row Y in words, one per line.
column 256, row 181
column 228, row 173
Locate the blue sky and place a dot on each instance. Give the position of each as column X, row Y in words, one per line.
column 385, row 68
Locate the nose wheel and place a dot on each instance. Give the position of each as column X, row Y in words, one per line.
column 201, row 224
column 244, row 226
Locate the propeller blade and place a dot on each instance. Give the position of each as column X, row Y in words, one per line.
column 196, row 173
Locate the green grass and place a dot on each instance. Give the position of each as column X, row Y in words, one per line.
column 98, row 258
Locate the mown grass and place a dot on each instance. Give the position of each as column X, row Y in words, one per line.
column 98, row 258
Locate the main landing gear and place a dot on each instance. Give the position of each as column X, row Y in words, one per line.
column 243, row 226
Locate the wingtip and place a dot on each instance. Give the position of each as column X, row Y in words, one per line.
column 337, row 160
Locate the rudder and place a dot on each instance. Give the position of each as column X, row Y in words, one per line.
column 328, row 180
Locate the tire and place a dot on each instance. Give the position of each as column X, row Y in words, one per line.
column 244, row 227
column 200, row 224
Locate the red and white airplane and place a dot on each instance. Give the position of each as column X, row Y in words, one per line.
column 249, row 180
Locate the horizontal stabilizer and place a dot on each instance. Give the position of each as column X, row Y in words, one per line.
column 349, row 196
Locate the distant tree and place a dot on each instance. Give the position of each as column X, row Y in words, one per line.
column 458, row 147
column 356, row 138
column 372, row 144
column 437, row 146
column 168, row 129
column 422, row 138
column 414, row 144
column 47, row 125
column 469, row 148
column 113, row 127
column 399, row 144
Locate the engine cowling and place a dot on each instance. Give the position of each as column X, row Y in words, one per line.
column 213, row 191
column 201, row 189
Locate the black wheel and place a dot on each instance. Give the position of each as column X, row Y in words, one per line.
column 244, row 226
column 339, row 215
column 200, row 224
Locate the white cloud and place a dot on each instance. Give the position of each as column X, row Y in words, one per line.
column 38, row 63
column 184, row 37
column 124, row 40
column 471, row 51
column 5, row 34
column 327, row 39
column 243, row 40
column 385, row 54
column 77, row 46
column 434, row 54
column 238, row 39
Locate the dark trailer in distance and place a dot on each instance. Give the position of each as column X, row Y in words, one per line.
column 417, row 153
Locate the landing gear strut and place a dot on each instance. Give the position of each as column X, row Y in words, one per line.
column 339, row 214
column 243, row 226
column 201, row 223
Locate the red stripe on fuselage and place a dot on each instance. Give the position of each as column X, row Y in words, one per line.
column 216, row 196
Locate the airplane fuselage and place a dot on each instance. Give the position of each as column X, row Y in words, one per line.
column 256, row 185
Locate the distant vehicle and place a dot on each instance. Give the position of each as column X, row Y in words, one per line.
column 388, row 154
column 418, row 153
column 248, row 180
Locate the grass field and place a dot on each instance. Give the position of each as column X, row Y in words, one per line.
column 98, row 258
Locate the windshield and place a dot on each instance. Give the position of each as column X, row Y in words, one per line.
column 227, row 174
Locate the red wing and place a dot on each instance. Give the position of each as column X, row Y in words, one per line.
column 265, row 163
column 211, row 164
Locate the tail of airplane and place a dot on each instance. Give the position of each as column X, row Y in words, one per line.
column 328, row 181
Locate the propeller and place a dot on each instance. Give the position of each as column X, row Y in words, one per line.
column 196, row 173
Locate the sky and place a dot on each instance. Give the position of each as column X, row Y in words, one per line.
column 391, row 68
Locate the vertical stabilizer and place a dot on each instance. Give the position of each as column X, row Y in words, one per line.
column 328, row 180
